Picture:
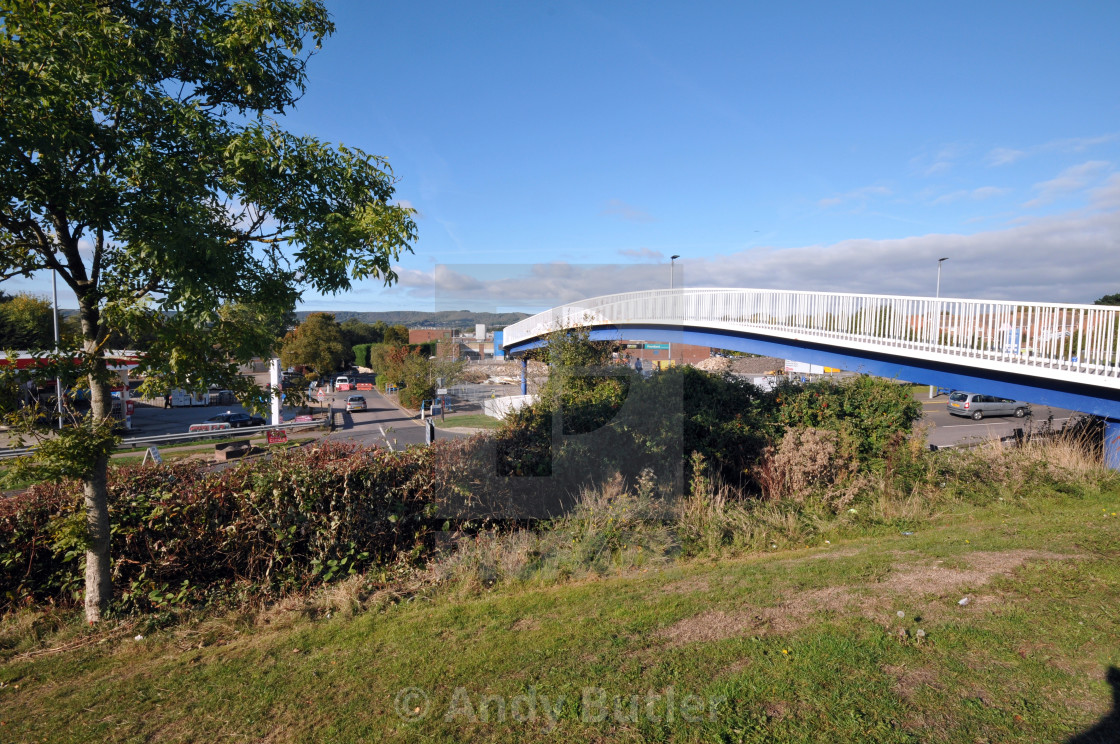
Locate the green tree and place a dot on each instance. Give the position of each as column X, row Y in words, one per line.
column 396, row 335
column 419, row 383
column 1112, row 299
column 26, row 322
column 316, row 343
column 272, row 323
column 355, row 332
column 141, row 157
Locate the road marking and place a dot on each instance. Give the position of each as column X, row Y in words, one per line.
column 989, row 423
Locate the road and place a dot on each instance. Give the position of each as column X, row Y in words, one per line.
column 382, row 422
column 364, row 427
column 945, row 429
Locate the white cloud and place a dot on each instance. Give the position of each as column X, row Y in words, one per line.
column 979, row 194
column 1071, row 180
column 643, row 254
column 1069, row 258
column 1107, row 196
column 1004, row 156
column 623, row 211
column 939, row 162
column 1080, row 144
column 861, row 196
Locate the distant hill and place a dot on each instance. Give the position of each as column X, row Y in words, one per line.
column 462, row 319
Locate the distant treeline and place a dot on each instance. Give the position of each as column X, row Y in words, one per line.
column 461, row 319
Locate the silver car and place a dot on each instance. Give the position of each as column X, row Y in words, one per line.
column 978, row 406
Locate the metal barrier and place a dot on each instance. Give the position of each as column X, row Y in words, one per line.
column 136, row 442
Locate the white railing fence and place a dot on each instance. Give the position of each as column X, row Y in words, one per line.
column 1063, row 340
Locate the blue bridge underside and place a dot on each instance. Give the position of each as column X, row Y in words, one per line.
column 1059, row 394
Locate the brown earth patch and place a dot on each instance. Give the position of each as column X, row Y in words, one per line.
column 786, row 617
column 775, row 710
column 525, row 623
column 714, row 625
column 982, row 568
column 831, row 555
column 686, row 586
column 876, row 600
column 736, row 668
column 909, row 680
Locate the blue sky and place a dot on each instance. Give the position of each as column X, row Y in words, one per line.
column 817, row 146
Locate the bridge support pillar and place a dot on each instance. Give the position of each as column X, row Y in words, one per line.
column 1112, row 443
column 524, row 376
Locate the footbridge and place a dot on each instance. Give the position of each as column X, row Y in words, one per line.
column 1064, row 355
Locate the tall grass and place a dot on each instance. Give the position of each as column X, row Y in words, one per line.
column 621, row 527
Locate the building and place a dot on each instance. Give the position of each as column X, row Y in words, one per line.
column 427, row 335
column 657, row 355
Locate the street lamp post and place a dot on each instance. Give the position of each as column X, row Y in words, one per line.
column 672, row 285
column 937, row 296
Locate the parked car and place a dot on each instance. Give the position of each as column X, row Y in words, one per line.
column 356, row 403
column 978, row 406
column 228, row 420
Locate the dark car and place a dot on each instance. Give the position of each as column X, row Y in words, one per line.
column 977, row 406
column 236, row 420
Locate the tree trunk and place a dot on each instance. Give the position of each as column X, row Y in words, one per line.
column 99, row 586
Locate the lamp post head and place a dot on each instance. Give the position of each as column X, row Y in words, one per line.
column 673, row 258
column 942, row 259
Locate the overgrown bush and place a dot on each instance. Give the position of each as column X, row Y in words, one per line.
column 613, row 421
column 807, row 460
column 868, row 413
column 184, row 536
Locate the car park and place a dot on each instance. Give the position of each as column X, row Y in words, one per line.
column 977, row 406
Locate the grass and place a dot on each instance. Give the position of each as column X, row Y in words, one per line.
column 791, row 645
column 471, row 420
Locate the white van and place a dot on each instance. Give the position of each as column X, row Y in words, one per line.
column 341, row 384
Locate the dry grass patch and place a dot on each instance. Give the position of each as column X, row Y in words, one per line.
column 876, row 601
column 786, row 617
column 830, row 555
column 983, row 567
column 525, row 623
column 908, row 681
column 686, row 586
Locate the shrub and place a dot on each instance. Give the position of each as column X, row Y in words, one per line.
column 806, row 460
column 182, row 535
column 869, row 414
column 361, row 355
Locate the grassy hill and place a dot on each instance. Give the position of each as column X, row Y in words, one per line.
column 461, row 319
column 862, row 637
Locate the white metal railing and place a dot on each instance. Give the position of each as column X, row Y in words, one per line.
column 1058, row 341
